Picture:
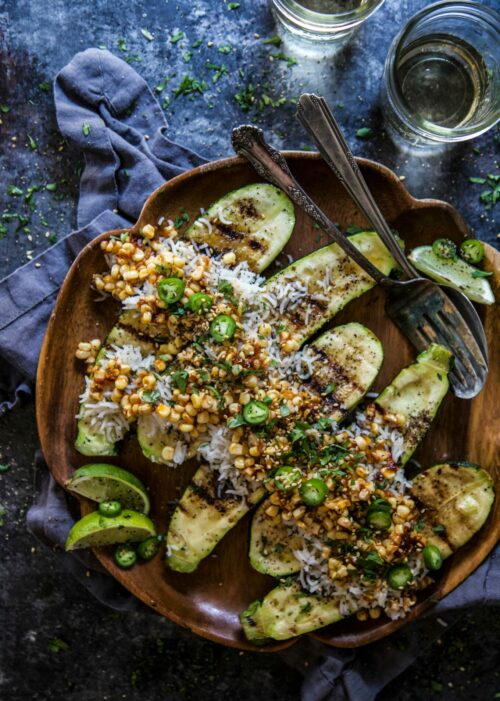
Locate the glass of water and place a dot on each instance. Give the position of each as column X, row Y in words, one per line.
column 323, row 19
column 441, row 80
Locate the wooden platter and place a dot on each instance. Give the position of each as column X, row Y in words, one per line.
column 210, row 600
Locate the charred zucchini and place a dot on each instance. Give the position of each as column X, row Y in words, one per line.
column 416, row 394
column 350, row 355
column 254, row 221
column 456, row 500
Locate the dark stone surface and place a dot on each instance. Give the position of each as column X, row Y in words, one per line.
column 105, row 655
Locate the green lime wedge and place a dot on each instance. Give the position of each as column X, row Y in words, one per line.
column 94, row 529
column 455, row 273
column 103, row 482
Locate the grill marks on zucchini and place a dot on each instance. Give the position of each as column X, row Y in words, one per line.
column 254, row 221
column 194, row 533
column 412, row 393
column 332, row 280
column 455, row 496
column 88, row 440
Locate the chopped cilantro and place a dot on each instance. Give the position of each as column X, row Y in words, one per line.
column 181, row 378
column 3, row 231
column 4, row 468
column 2, row 514
column 490, row 197
column 219, row 71
column 52, row 238
column 122, row 44
column 284, row 409
column 86, row 128
column 274, row 40
column 225, row 49
column 150, row 397
column 161, row 86
column 439, row 528
column 236, row 421
column 306, row 607
column 329, row 389
column 187, row 56
column 4, row 109
column 280, row 56
column 196, row 44
column 14, row 191
column 364, row 133
column 246, row 97
column 33, row 144
column 190, row 85
column 233, row 5
column 181, row 219
column 176, row 37
column 57, row 645
column 436, row 686
column 147, row 34
column 225, row 287
column 51, row 187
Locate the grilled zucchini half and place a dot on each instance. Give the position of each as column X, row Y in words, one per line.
column 262, row 222
column 330, row 280
column 90, row 440
column 254, row 221
column 415, row 393
column 351, row 355
column 456, row 496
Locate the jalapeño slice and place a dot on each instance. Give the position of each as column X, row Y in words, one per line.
column 171, row 289
column 255, row 412
column 222, row 328
column 200, row 303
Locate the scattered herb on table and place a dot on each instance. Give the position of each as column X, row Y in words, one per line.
column 225, row 49
column 161, row 86
column 187, row 56
column 122, row 44
column 176, row 37
column 33, row 144
column 4, row 468
column 246, row 98
column 364, row 133
column 196, row 44
column 489, row 197
column 51, row 187
column 190, row 85
column 86, row 128
column 219, row 71
column 57, row 645
column 4, row 109
column 280, row 56
column 436, row 686
column 2, row 514
column 14, row 191
column 233, row 5
column 274, row 40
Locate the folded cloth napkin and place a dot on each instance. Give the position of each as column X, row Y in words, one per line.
column 127, row 155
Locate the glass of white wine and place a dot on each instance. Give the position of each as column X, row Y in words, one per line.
column 323, row 19
column 441, row 80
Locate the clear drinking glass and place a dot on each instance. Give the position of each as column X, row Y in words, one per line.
column 323, row 19
column 441, row 81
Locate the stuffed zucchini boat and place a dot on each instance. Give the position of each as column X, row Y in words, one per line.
column 454, row 501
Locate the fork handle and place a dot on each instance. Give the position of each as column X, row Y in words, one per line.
column 248, row 141
column 318, row 120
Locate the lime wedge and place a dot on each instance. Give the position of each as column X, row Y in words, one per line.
column 94, row 529
column 103, row 482
column 455, row 273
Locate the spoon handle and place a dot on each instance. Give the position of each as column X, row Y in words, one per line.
column 248, row 141
column 318, row 120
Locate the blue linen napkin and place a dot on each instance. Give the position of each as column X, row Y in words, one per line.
column 128, row 155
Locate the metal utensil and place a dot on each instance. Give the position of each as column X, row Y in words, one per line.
column 317, row 118
column 424, row 315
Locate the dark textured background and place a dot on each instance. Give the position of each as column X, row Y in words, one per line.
column 56, row 641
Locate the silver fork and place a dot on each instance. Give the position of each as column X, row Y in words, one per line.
column 419, row 307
